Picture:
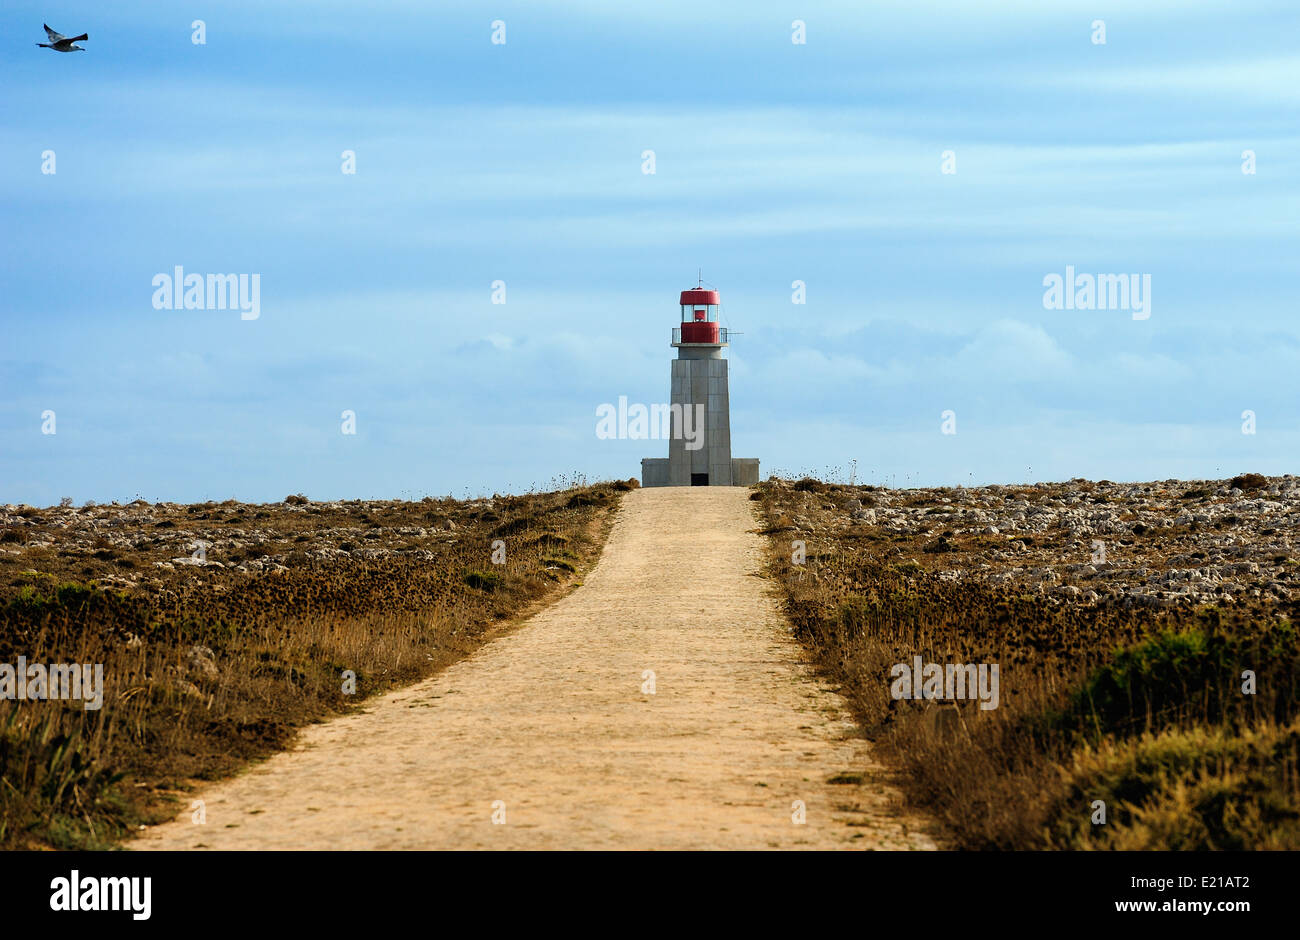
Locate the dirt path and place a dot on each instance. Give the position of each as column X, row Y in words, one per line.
column 551, row 720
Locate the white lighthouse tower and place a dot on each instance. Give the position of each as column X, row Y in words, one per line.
column 699, row 449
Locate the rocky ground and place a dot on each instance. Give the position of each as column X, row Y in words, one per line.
column 222, row 628
column 157, row 548
column 1145, row 636
column 1161, row 543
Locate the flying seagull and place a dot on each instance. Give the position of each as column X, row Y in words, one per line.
column 61, row 43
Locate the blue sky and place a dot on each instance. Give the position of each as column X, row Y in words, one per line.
column 521, row 162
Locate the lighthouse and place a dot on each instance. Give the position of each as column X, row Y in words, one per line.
column 699, row 446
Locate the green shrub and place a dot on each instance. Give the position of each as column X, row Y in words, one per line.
column 1196, row 789
column 1193, row 674
column 484, row 581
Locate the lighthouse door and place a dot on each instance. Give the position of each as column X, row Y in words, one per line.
column 699, row 479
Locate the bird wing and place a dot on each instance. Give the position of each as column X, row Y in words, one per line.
column 54, row 37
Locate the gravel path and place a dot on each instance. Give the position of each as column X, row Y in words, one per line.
column 548, row 727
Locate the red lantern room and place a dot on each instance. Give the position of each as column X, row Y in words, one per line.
column 700, row 317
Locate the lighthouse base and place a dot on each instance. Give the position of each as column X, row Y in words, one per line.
column 654, row 471
column 744, row 472
column 699, row 445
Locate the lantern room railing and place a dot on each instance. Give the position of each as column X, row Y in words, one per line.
column 700, row 334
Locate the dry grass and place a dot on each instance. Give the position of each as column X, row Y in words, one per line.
column 1140, row 707
column 208, row 667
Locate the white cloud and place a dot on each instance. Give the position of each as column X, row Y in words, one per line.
column 1009, row 350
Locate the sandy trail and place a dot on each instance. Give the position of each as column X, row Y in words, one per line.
column 551, row 720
